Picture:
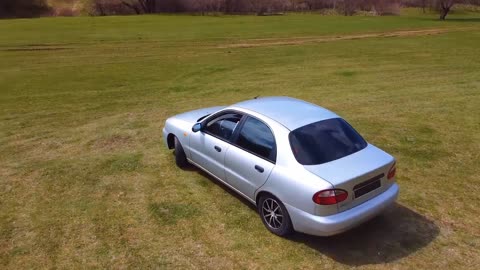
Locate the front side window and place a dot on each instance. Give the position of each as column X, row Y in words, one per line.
column 256, row 137
column 325, row 141
column 223, row 126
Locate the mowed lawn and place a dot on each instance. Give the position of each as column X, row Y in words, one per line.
column 86, row 182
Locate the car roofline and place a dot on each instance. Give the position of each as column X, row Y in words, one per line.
column 274, row 108
column 249, row 111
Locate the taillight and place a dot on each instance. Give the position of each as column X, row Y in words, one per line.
column 330, row 196
column 392, row 171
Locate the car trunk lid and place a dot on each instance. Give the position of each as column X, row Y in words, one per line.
column 362, row 174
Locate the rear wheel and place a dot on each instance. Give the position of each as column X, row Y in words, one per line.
column 180, row 157
column 274, row 215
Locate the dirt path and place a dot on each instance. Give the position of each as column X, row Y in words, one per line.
column 302, row 40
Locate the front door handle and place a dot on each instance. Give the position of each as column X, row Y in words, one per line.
column 218, row 149
column 259, row 169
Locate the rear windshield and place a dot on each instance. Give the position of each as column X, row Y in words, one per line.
column 325, row 141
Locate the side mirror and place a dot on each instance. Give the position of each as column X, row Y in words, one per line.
column 197, row 127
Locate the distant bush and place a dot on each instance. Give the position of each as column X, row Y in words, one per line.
column 64, row 11
column 373, row 7
column 23, row 8
column 386, row 7
column 108, row 7
column 468, row 8
column 66, row 7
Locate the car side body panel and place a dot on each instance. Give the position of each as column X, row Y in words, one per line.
column 245, row 171
column 209, row 152
column 177, row 127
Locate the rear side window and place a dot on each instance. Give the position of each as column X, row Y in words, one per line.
column 325, row 141
column 257, row 138
column 223, row 126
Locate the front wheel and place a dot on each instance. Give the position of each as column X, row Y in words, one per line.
column 180, row 157
column 274, row 215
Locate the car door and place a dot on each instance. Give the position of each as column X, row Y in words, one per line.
column 251, row 158
column 208, row 147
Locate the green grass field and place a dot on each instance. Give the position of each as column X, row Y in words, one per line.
column 86, row 182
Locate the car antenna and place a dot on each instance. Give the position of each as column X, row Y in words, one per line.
column 256, row 97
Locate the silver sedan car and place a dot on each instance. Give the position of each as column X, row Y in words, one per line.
column 304, row 167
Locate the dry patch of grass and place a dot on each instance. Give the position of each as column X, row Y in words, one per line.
column 306, row 40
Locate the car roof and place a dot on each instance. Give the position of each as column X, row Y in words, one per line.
column 290, row 112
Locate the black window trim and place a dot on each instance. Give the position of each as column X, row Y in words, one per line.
column 212, row 117
column 237, row 133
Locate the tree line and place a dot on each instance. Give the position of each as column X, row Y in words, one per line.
column 33, row 8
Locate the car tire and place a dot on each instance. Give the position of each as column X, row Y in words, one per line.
column 180, row 157
column 274, row 215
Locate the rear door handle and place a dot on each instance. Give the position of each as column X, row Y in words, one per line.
column 218, row 148
column 259, row 169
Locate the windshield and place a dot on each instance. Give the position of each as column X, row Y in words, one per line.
column 325, row 141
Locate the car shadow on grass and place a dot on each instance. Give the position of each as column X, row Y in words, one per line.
column 395, row 234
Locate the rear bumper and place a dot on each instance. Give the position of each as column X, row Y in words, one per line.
column 334, row 224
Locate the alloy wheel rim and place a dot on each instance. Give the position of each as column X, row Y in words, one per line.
column 272, row 213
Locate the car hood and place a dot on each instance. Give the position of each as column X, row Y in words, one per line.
column 193, row 116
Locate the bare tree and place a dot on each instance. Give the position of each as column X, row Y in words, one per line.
column 445, row 6
column 23, row 8
column 141, row 6
column 132, row 6
column 229, row 6
column 384, row 7
column 347, row 7
column 98, row 6
column 108, row 7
